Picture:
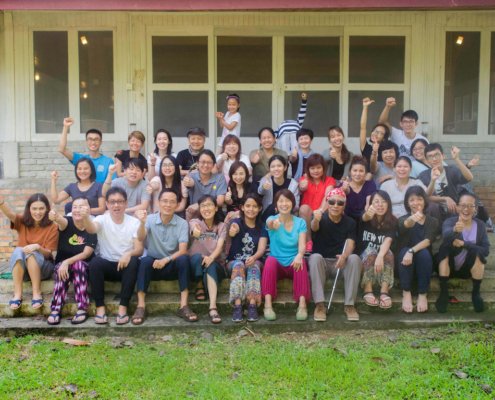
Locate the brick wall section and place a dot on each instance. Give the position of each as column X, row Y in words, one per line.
column 38, row 159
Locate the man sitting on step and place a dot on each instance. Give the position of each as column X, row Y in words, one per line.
column 167, row 238
column 331, row 230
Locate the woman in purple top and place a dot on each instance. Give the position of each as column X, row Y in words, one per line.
column 463, row 252
column 358, row 189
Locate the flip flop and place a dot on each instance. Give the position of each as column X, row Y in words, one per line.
column 75, row 319
column 122, row 319
column 103, row 319
column 15, row 304
column 384, row 299
column 370, row 299
column 56, row 318
column 36, row 302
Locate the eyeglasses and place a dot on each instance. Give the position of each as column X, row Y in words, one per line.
column 93, row 139
column 466, row 206
column 207, row 205
column 408, row 121
column 340, row 203
column 434, row 156
column 116, row 202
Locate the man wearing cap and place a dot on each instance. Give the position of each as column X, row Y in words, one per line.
column 331, row 231
column 188, row 158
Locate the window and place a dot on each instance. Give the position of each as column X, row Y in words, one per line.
column 96, row 81
column 93, row 61
column 312, row 60
column 462, row 65
column 244, row 59
column 51, row 80
column 376, row 59
column 177, row 111
column 181, row 59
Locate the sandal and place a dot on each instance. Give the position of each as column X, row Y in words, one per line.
column 385, row 301
column 200, row 294
column 80, row 317
column 187, row 314
column 101, row 319
column 15, row 304
column 36, row 303
column 214, row 316
column 55, row 318
column 122, row 319
column 138, row 317
column 370, row 299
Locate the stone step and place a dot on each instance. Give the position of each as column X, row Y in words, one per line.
column 156, row 327
column 166, row 304
column 284, row 286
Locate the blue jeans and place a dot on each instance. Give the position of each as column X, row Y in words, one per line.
column 177, row 269
column 215, row 270
column 422, row 265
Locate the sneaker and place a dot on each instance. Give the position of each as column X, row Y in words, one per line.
column 320, row 312
column 237, row 314
column 252, row 313
column 309, row 246
column 302, row 314
column 351, row 313
column 269, row 314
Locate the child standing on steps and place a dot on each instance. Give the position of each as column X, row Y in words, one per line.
column 231, row 120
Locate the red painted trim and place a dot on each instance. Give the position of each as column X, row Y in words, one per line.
column 238, row 5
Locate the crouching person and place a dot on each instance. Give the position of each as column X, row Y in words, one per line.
column 117, row 253
column 334, row 240
column 463, row 252
column 75, row 248
column 167, row 238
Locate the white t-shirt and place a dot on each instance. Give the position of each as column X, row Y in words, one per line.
column 400, row 139
column 227, row 164
column 115, row 239
column 229, row 118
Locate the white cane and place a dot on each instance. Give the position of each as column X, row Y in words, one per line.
column 335, row 281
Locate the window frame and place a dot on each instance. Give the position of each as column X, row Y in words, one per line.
column 73, row 83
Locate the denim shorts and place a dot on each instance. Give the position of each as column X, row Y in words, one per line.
column 46, row 266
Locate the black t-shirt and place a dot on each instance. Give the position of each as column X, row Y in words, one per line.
column 372, row 238
column 245, row 243
column 368, row 149
column 185, row 159
column 124, row 155
column 330, row 238
column 72, row 241
column 338, row 170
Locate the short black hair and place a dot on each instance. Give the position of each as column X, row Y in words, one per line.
column 169, row 190
column 432, row 147
column 116, row 190
column 196, row 131
column 414, row 191
column 387, row 145
column 410, row 114
column 136, row 162
column 305, row 132
column 93, row 130
column 92, row 177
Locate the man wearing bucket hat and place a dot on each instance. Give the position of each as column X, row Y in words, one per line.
column 332, row 230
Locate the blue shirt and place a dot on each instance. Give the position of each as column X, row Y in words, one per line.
column 101, row 164
column 284, row 245
column 163, row 240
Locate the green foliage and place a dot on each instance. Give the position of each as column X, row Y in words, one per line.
column 413, row 364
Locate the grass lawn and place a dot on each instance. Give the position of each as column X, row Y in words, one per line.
column 449, row 363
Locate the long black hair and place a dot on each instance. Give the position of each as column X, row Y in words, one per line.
column 176, row 181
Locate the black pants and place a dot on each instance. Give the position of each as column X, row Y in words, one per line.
column 101, row 270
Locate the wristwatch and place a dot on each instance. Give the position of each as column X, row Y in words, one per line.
column 411, row 251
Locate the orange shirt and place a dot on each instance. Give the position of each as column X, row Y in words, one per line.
column 46, row 237
column 313, row 196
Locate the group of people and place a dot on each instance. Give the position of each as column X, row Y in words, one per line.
column 199, row 218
